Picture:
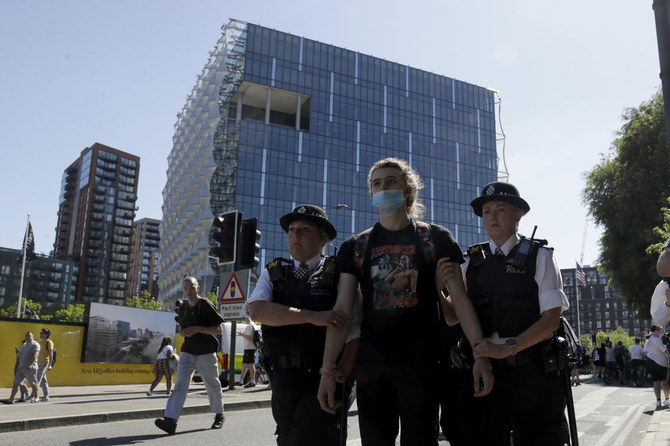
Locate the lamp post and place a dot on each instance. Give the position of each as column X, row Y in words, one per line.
column 337, row 207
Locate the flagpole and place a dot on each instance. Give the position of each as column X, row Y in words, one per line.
column 23, row 268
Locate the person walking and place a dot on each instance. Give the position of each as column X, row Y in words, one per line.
column 656, row 353
column 162, row 365
column 25, row 368
column 44, row 362
column 516, row 288
column 199, row 324
column 248, row 357
column 293, row 301
column 394, row 264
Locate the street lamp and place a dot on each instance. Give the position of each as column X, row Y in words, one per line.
column 337, row 207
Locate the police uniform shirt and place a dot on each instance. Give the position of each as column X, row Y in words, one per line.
column 547, row 277
column 263, row 290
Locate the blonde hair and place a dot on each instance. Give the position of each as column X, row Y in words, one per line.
column 415, row 209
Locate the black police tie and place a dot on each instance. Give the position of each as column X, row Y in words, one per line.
column 499, row 252
column 302, row 272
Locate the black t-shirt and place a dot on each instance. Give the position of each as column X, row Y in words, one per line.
column 400, row 307
column 201, row 314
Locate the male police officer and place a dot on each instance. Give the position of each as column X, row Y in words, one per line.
column 294, row 300
column 516, row 288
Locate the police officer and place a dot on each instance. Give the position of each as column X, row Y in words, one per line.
column 293, row 299
column 515, row 286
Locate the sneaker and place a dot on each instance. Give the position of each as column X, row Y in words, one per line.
column 45, row 399
column 148, row 392
column 166, row 424
column 218, row 421
column 666, row 403
column 22, row 399
column 658, row 404
column 237, row 383
column 34, row 400
column 250, row 384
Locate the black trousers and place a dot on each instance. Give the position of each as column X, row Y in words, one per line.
column 523, row 398
column 399, row 391
column 300, row 420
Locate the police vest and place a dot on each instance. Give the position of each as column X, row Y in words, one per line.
column 504, row 295
column 299, row 346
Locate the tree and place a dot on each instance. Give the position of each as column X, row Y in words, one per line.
column 144, row 300
column 624, row 194
column 71, row 313
column 662, row 232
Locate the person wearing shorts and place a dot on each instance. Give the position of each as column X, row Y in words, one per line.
column 657, row 364
column 26, row 368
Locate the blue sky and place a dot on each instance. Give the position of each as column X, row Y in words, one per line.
column 118, row 72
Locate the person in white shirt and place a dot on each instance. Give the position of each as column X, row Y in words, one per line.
column 657, row 365
column 162, row 365
column 249, row 348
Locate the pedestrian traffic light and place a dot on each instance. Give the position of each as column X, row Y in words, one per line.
column 593, row 337
column 224, row 231
column 248, row 246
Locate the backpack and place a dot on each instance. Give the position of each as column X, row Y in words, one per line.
column 53, row 360
column 258, row 342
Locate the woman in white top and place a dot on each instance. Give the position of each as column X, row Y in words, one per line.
column 162, row 365
column 657, row 364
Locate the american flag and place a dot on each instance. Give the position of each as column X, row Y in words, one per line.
column 581, row 277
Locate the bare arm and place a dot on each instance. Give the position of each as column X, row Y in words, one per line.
column 346, row 293
column 277, row 315
column 539, row 331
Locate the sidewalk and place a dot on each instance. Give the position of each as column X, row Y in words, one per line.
column 98, row 404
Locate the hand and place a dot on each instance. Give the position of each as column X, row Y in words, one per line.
column 49, row 368
column 326, row 395
column 445, row 271
column 486, row 349
column 332, row 319
column 189, row 331
column 334, row 373
column 483, row 377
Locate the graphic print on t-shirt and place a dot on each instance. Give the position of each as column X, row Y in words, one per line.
column 394, row 276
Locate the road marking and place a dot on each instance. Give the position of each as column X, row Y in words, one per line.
column 625, row 427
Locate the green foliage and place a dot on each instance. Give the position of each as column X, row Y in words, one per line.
column 615, row 336
column 662, row 232
column 144, row 300
column 72, row 313
column 624, row 194
column 211, row 296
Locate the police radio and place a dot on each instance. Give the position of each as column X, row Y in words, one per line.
column 520, row 260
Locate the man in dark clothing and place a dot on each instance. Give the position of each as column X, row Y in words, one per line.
column 199, row 323
column 293, row 299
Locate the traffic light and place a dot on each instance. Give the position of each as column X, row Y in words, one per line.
column 593, row 337
column 224, row 232
column 247, row 245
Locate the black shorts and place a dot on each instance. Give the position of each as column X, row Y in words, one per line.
column 248, row 357
column 657, row 372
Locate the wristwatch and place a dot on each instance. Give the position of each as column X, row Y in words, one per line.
column 511, row 343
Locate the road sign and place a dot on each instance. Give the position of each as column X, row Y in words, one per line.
column 234, row 286
column 231, row 311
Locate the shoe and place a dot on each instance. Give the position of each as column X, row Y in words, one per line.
column 166, row 424
column 22, row 399
column 658, row 404
column 666, row 403
column 237, row 383
column 34, row 400
column 250, row 384
column 7, row 401
column 45, row 399
column 148, row 392
column 218, row 421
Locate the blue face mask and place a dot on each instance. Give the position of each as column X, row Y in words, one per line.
column 388, row 201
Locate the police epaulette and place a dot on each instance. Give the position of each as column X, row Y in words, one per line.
column 276, row 270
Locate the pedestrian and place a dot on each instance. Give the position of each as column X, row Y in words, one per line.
column 293, row 301
column 22, row 386
column 249, row 350
column 162, row 365
column 199, row 324
column 394, row 264
column 577, row 358
column 636, row 358
column 516, row 288
column 657, row 365
column 44, row 362
column 25, row 368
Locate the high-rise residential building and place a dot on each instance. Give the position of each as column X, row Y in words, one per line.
column 143, row 272
column 601, row 308
column 276, row 120
column 47, row 280
column 95, row 221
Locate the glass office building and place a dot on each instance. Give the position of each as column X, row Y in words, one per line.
column 301, row 122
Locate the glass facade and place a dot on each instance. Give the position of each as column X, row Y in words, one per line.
column 302, row 121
